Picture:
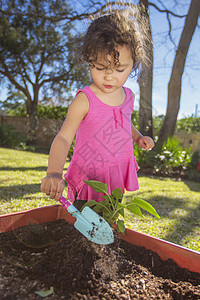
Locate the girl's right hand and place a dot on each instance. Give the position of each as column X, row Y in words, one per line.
column 53, row 185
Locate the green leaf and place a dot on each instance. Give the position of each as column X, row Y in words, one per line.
column 107, row 198
column 121, row 212
column 120, row 208
column 121, row 205
column 146, row 206
column 114, row 217
column 104, row 203
column 121, row 226
column 134, row 209
column 99, row 187
column 102, row 206
column 110, row 199
column 117, row 193
column 99, row 207
column 45, row 293
column 106, row 216
column 89, row 204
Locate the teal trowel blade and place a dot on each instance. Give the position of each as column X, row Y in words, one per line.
column 94, row 227
column 89, row 223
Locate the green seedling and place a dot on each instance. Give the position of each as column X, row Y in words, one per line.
column 45, row 293
column 111, row 208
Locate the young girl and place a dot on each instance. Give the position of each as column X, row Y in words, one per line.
column 100, row 116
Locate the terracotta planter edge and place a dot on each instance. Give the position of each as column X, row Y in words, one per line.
column 184, row 257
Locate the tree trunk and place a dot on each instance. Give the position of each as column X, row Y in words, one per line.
column 32, row 112
column 145, row 109
column 145, row 81
column 174, row 86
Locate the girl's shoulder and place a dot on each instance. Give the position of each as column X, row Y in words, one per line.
column 81, row 96
column 80, row 103
column 129, row 91
column 84, row 94
column 129, row 94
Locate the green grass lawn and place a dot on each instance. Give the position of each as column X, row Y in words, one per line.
column 177, row 202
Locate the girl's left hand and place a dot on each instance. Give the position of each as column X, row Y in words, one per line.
column 146, row 142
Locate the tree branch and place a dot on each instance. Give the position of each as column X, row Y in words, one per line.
column 166, row 11
column 12, row 79
column 70, row 16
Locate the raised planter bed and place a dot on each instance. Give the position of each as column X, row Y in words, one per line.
column 101, row 282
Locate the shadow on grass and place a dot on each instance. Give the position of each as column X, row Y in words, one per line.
column 166, row 207
column 163, row 205
column 193, row 185
column 18, row 191
column 23, row 169
column 184, row 225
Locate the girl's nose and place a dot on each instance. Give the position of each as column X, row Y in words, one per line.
column 108, row 71
column 108, row 74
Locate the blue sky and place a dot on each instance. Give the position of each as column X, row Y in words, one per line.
column 164, row 54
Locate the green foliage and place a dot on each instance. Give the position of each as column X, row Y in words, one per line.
column 12, row 139
column 135, row 118
column 43, row 112
column 51, row 112
column 13, row 101
column 157, row 123
column 20, row 111
column 188, row 124
column 112, row 208
column 191, row 171
column 172, row 159
column 41, row 53
column 24, row 147
column 9, row 138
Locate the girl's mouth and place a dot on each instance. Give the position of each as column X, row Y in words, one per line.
column 108, row 86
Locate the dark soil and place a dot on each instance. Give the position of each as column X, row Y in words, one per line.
column 56, row 255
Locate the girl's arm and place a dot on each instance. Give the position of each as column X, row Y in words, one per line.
column 145, row 142
column 53, row 184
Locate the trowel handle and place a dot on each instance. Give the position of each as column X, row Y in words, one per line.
column 64, row 202
column 69, row 207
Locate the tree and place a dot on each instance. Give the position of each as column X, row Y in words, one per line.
column 39, row 53
column 146, row 78
column 174, row 86
column 57, row 12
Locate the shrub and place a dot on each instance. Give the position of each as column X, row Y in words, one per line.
column 172, row 159
column 135, row 118
column 12, row 139
column 20, row 111
column 192, row 170
column 43, row 112
column 51, row 112
column 188, row 124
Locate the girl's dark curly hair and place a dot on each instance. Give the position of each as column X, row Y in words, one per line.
column 108, row 31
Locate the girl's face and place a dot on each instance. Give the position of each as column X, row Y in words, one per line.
column 109, row 77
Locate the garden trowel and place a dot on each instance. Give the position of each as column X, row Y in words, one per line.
column 90, row 224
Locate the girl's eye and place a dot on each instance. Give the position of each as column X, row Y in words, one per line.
column 100, row 69
column 120, row 71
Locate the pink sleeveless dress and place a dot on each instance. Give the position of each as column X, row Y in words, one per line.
column 103, row 149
